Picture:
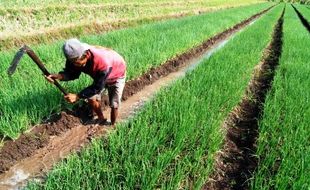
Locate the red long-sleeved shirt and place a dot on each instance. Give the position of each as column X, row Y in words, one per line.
column 105, row 66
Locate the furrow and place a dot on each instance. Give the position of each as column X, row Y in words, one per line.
column 236, row 162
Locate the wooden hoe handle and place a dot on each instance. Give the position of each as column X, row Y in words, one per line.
column 36, row 59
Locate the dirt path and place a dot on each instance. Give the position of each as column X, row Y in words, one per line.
column 35, row 152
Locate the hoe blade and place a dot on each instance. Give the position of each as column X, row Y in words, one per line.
column 15, row 61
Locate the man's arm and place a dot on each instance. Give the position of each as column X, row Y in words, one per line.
column 69, row 73
column 97, row 86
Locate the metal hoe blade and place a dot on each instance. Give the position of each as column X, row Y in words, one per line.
column 15, row 61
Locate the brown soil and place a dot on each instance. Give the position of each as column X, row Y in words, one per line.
column 236, row 162
column 28, row 143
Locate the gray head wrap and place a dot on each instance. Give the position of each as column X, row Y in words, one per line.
column 74, row 49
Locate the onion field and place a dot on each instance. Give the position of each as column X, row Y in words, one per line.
column 172, row 142
column 143, row 47
column 238, row 117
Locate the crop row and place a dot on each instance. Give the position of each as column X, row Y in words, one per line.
column 23, row 25
column 304, row 11
column 26, row 97
column 171, row 143
column 283, row 145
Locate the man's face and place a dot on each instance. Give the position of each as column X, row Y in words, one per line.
column 80, row 62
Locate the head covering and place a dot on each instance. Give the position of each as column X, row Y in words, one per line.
column 74, row 49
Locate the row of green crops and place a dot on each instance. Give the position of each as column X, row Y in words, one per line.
column 171, row 143
column 284, row 143
column 26, row 97
column 30, row 24
column 304, row 10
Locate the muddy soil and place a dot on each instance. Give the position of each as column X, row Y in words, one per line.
column 27, row 143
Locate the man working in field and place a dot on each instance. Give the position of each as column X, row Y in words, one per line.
column 106, row 67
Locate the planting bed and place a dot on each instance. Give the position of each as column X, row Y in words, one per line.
column 283, row 149
column 236, row 161
column 303, row 20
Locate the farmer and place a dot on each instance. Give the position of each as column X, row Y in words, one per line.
column 105, row 66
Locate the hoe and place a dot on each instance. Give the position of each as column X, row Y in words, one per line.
column 35, row 58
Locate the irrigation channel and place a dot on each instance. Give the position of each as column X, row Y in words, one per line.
column 36, row 151
column 236, row 162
